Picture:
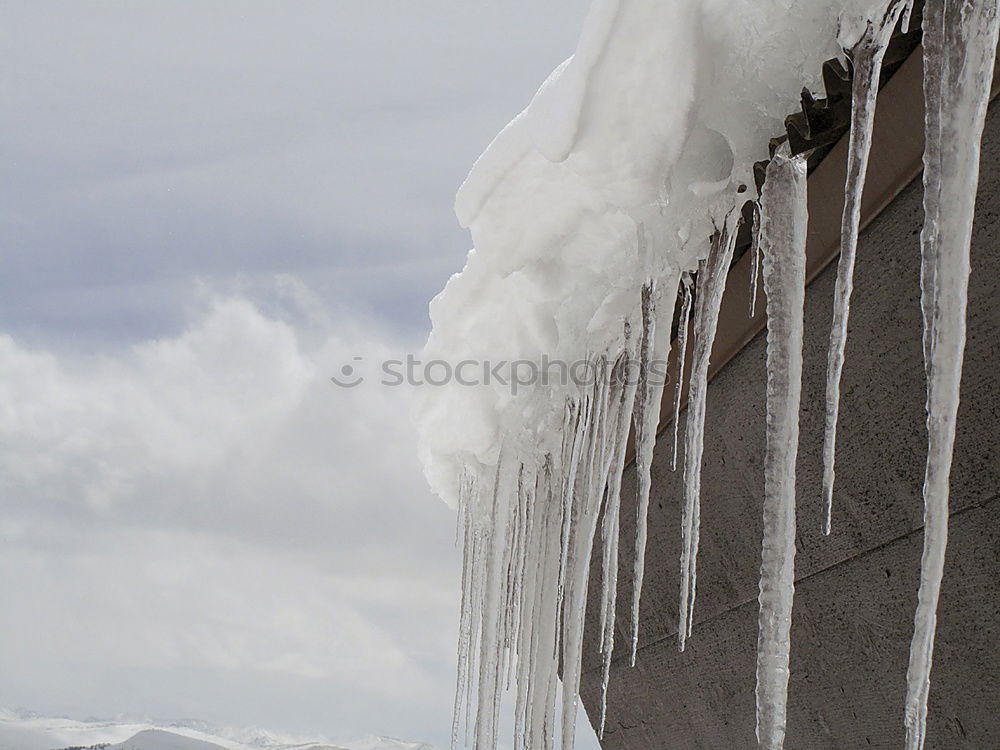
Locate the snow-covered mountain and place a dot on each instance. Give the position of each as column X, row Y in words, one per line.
column 160, row 739
column 19, row 731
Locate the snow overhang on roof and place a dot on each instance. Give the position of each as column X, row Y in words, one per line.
column 625, row 175
column 820, row 131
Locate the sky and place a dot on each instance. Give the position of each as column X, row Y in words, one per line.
column 206, row 209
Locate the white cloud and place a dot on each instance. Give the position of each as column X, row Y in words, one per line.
column 212, row 501
column 145, row 143
column 202, row 524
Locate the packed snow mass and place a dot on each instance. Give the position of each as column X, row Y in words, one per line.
column 615, row 196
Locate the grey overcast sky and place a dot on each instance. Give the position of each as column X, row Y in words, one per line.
column 206, row 207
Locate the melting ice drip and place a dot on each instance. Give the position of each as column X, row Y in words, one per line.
column 530, row 519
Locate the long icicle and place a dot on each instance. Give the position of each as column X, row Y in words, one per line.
column 866, row 56
column 525, row 480
column 612, row 520
column 784, row 219
column 478, row 568
column 541, row 671
column 708, row 299
column 654, row 347
column 682, row 340
column 645, row 357
column 586, row 502
column 611, row 527
column 526, row 611
column 465, row 621
column 960, row 40
column 571, row 462
column 489, row 639
column 609, row 520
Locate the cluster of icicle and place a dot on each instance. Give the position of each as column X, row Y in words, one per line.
column 529, row 528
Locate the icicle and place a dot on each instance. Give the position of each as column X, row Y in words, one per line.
column 642, row 443
column 783, row 230
column 654, row 347
column 507, row 566
column 682, row 339
column 571, row 464
column 532, row 613
column 610, row 530
column 490, row 639
column 526, row 615
column 867, row 57
column 465, row 620
column 541, row 669
column 620, row 388
column 478, row 579
column 754, row 259
column 960, row 40
column 543, row 663
column 708, row 298
column 515, row 576
column 586, row 505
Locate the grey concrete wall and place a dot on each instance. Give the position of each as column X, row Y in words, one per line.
column 855, row 590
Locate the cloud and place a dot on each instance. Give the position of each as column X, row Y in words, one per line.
column 193, row 520
column 212, row 502
column 146, row 143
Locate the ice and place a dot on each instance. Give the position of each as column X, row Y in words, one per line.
column 539, row 673
column 866, row 56
column 960, row 42
column 783, row 238
column 610, row 530
column 626, row 174
column 586, row 505
column 491, row 625
column 708, row 299
column 682, row 338
column 657, row 119
column 654, row 348
column 465, row 624
column 754, row 259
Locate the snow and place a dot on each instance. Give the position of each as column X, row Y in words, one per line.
column 680, row 100
column 158, row 739
column 31, row 732
column 626, row 173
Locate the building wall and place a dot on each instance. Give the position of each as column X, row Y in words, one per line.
column 855, row 590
